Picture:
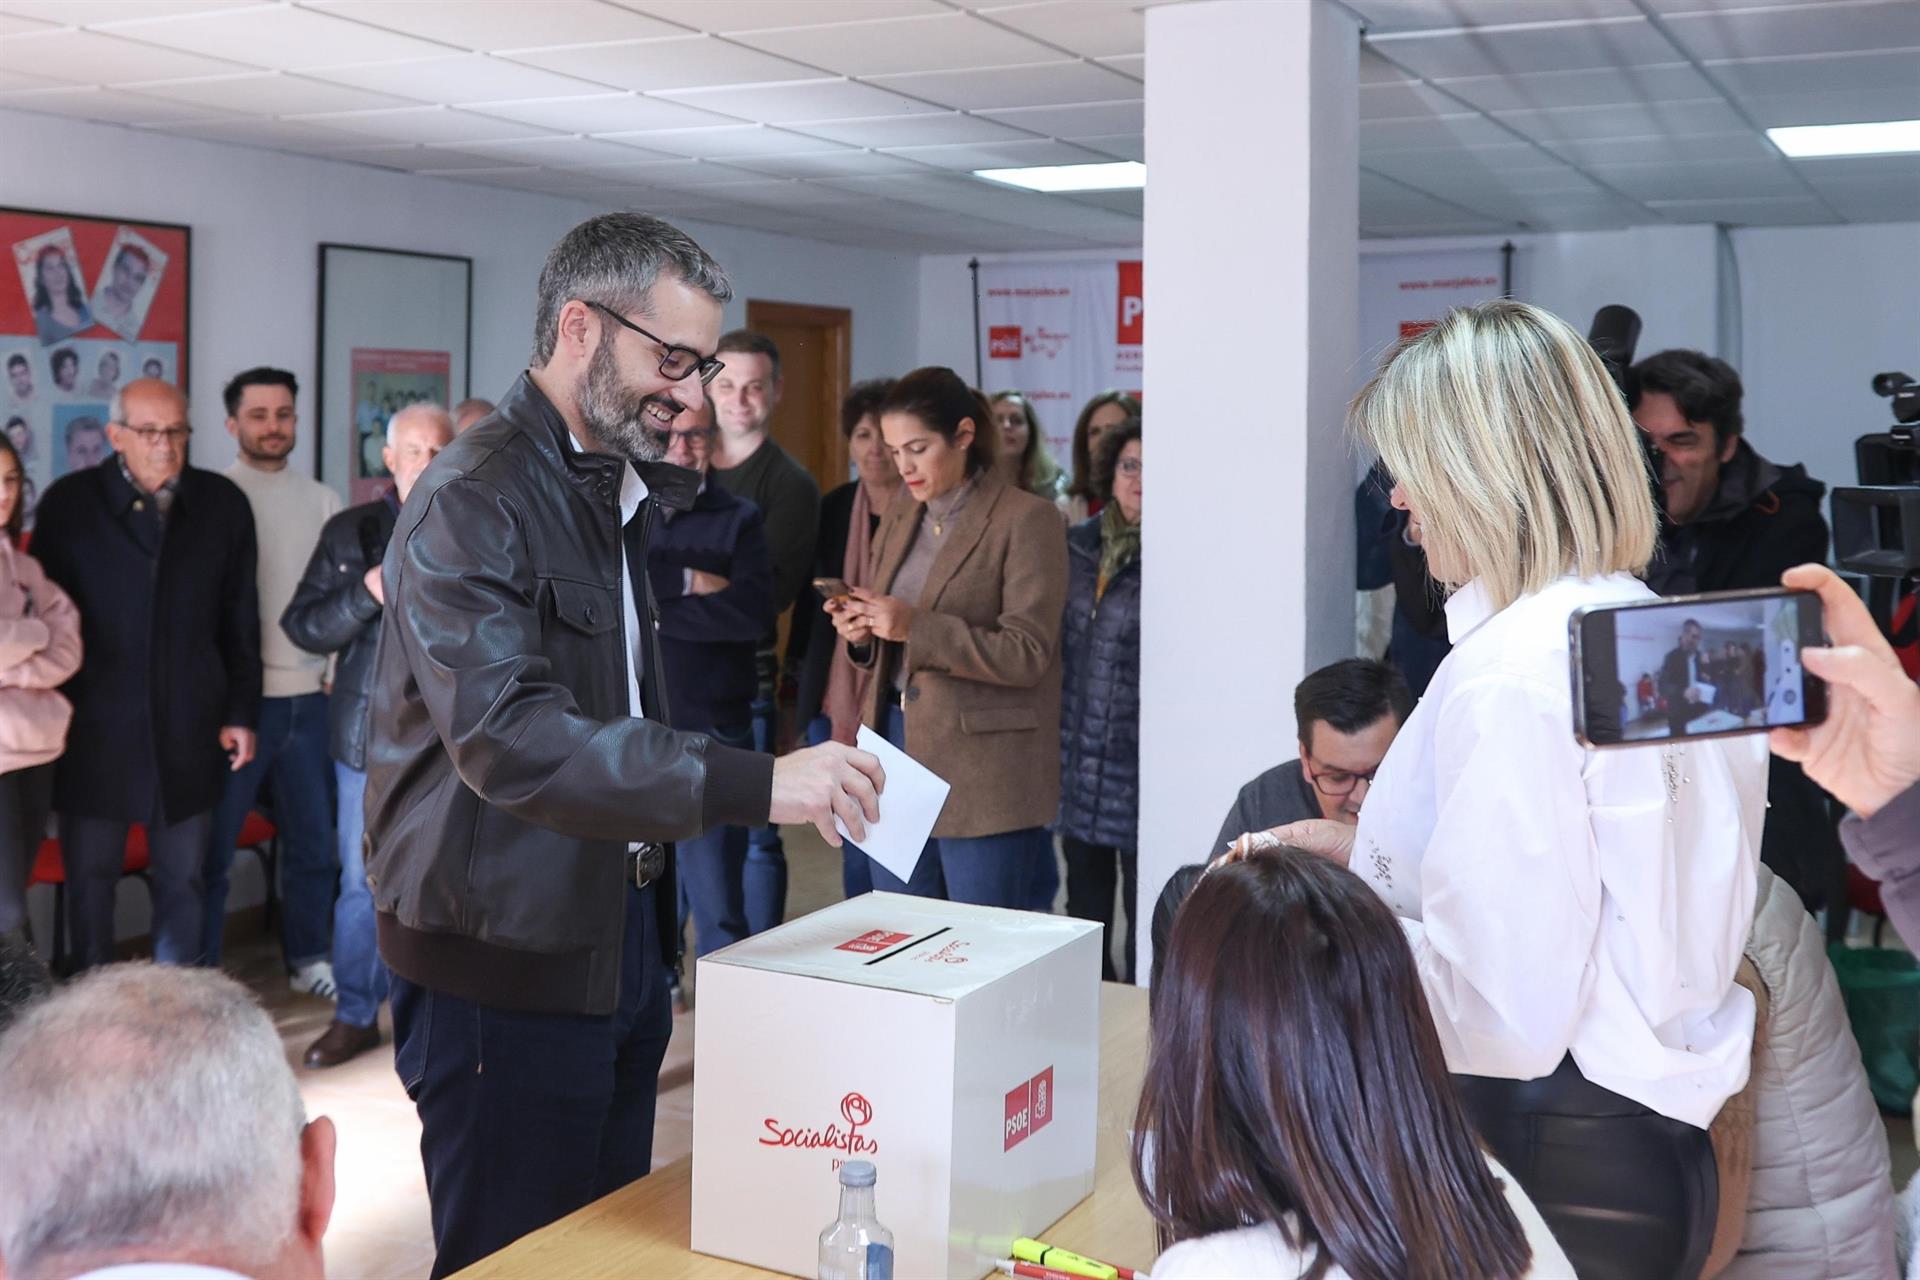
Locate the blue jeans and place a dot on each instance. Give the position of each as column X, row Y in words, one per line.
column 766, row 870
column 711, row 869
column 293, row 750
column 357, row 968
column 854, row 877
column 561, row 1114
column 993, row 871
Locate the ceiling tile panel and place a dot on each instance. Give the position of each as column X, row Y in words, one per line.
column 112, row 106
column 1043, row 84
column 1117, row 146
column 296, row 135
column 720, row 16
column 912, row 131
column 1702, row 180
column 605, row 113
column 802, row 100
column 1597, row 87
column 1723, row 146
column 1432, row 132
column 1749, row 210
column 728, row 141
column 560, row 153
column 427, row 124
column 999, row 155
column 1656, row 119
column 944, row 42
column 1841, row 106
column 1836, row 26
column 14, row 81
column 497, row 25
column 845, row 163
column 1398, row 100
column 87, row 13
column 1417, row 15
column 1090, row 28
column 89, row 57
column 462, row 78
column 270, row 93
column 277, row 36
column 685, row 62
column 1085, row 120
column 1518, row 50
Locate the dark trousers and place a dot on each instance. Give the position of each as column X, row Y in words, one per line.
column 293, row 750
column 525, row 1117
column 1629, row 1193
column 95, row 850
column 1091, row 872
column 766, row 870
column 25, row 795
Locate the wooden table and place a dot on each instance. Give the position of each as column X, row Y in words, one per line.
column 642, row 1229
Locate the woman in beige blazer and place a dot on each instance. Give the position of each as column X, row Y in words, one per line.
column 962, row 631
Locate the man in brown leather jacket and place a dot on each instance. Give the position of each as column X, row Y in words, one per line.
column 523, row 785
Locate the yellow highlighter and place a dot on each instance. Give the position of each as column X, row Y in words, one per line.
column 1047, row 1255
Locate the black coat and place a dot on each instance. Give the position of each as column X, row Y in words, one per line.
column 708, row 642
column 333, row 612
column 1763, row 520
column 171, row 628
column 1099, row 698
column 812, row 642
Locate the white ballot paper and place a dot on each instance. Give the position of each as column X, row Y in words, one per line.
column 909, row 807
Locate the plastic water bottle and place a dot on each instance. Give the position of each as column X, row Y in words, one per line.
column 856, row 1246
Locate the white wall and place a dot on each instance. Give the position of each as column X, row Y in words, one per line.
column 259, row 216
column 1825, row 308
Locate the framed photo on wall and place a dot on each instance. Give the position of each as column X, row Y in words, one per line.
column 396, row 328
column 91, row 303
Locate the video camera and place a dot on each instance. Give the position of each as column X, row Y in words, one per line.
column 1876, row 524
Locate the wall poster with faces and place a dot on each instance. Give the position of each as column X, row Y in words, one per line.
column 91, row 304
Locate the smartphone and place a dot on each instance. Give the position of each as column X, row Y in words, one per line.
column 832, row 588
column 1706, row 666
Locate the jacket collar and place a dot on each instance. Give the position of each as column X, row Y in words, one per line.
column 122, row 493
column 969, row 524
column 528, row 408
column 1743, row 480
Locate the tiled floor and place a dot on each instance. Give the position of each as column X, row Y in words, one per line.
column 380, row 1229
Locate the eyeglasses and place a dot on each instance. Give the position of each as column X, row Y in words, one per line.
column 1129, row 466
column 698, row 437
column 152, row 436
column 1335, row 783
column 676, row 363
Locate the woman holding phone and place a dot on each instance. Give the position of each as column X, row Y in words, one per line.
column 961, row 630
column 1576, row 916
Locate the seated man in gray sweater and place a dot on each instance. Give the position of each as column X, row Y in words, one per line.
column 1348, row 714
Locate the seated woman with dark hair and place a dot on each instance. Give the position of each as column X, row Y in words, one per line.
column 1297, row 1119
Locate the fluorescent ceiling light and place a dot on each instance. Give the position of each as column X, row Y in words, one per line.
column 1122, row 175
column 1880, row 138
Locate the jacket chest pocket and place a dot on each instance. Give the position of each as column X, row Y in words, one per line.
column 585, row 653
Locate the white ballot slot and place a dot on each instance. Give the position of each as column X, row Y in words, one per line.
column 956, row 1047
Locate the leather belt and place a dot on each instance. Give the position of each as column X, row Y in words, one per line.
column 646, row 864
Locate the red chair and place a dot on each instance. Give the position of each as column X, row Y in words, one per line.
column 257, row 834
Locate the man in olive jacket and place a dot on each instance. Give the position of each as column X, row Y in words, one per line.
column 522, row 781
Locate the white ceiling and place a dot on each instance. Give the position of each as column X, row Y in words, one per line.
column 858, row 120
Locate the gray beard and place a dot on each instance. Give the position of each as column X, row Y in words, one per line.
column 615, row 415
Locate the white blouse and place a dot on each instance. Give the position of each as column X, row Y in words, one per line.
column 1565, row 900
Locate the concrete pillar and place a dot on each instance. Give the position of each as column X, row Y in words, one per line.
column 1251, row 252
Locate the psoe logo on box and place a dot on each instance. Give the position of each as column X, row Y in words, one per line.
column 1133, row 305
column 872, row 941
column 1029, row 1109
column 1003, row 342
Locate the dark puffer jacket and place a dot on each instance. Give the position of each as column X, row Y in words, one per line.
column 1100, row 699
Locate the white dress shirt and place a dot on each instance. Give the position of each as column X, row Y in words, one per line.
column 1560, row 900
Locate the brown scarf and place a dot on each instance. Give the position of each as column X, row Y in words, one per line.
column 846, row 683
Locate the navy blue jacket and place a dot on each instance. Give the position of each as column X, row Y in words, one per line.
column 708, row 642
column 1099, row 699
column 171, row 628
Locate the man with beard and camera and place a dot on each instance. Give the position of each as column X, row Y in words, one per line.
column 523, row 783
column 1736, row 520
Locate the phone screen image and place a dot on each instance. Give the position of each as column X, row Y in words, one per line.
column 1698, row 668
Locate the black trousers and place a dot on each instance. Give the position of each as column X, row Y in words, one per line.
column 1091, row 872
column 25, row 795
column 95, row 850
column 525, row 1117
column 1630, row 1194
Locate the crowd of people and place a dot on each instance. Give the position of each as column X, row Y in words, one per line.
column 1447, row 995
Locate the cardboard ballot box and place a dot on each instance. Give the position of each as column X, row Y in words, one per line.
column 956, row 1047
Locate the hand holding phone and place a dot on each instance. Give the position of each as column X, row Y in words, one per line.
column 1704, row 666
column 832, row 589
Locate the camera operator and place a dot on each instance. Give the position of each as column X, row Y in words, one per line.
column 1867, row 751
column 1736, row 520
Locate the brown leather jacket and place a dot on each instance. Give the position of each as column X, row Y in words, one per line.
column 505, row 776
column 982, row 657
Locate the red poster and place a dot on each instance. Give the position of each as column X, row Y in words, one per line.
column 1133, row 307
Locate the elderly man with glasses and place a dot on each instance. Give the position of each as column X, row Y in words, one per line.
column 525, row 778
column 159, row 557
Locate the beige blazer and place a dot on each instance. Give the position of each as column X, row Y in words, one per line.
column 982, row 657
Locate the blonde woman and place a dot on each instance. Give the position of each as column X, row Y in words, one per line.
column 1025, row 460
column 1576, row 916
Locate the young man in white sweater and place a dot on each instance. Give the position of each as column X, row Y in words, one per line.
column 288, row 512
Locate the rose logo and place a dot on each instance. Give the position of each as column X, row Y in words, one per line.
column 856, row 1110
